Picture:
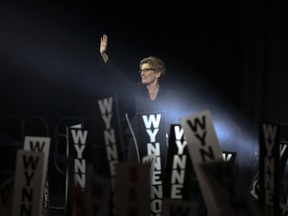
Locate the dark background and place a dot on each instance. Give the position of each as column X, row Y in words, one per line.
column 225, row 56
column 233, row 49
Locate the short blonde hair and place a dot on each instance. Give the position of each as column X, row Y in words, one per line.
column 155, row 63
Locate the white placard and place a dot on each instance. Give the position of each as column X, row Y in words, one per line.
column 203, row 147
column 28, row 183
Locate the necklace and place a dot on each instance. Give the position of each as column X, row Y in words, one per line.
column 153, row 93
column 156, row 90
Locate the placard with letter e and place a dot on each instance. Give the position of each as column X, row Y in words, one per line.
column 93, row 141
column 29, row 183
column 254, row 187
column 179, row 170
column 203, row 147
column 269, row 166
column 152, row 140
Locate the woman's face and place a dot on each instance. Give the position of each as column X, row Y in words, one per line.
column 148, row 74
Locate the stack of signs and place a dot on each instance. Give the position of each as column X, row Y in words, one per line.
column 30, row 194
column 85, row 144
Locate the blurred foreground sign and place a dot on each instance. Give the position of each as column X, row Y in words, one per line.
column 203, row 147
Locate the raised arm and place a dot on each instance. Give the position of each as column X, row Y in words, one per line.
column 103, row 47
column 110, row 68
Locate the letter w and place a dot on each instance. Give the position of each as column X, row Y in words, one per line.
column 269, row 131
column 79, row 135
column 151, row 119
column 196, row 123
column 178, row 132
column 105, row 105
column 36, row 145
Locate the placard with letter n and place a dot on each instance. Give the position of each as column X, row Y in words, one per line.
column 29, row 183
column 203, row 148
column 94, row 142
column 179, row 170
column 41, row 144
column 152, row 136
column 152, row 141
column 269, row 166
